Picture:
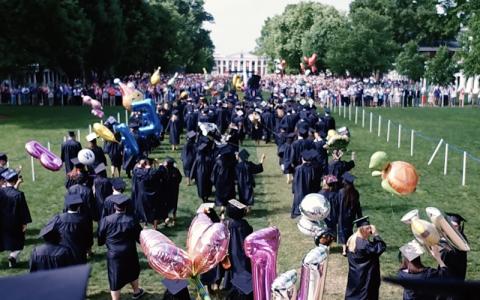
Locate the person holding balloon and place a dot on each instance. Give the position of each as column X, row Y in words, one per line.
column 69, row 150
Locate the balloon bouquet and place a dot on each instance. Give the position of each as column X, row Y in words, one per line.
column 308, row 65
column 97, row 108
column 207, row 246
column 48, row 159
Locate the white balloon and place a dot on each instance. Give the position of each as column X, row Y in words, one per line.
column 86, row 157
column 315, row 207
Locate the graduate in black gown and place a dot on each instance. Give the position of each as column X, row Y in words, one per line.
column 456, row 260
column 14, row 217
column 116, row 155
column 89, row 208
column 329, row 121
column 50, row 255
column 69, row 150
column 120, row 233
column 223, row 175
column 412, row 268
column 99, row 155
column 349, row 210
column 363, row 262
column 118, row 187
column 76, row 173
column 287, row 156
column 144, row 192
column 300, row 145
column 245, row 171
column 75, row 229
column 202, row 170
column 306, row 181
column 236, row 282
column 102, row 187
column 188, row 155
column 172, row 179
column 174, row 129
column 328, row 191
column 337, row 167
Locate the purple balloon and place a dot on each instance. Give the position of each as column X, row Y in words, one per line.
column 47, row 158
column 262, row 248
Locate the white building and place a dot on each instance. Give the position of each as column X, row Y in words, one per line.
column 240, row 63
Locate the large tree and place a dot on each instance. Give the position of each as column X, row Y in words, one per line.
column 410, row 62
column 470, row 38
column 441, row 68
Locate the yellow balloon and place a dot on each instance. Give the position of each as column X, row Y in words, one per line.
column 425, row 231
column 103, row 132
column 155, row 79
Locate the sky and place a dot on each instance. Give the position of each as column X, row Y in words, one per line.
column 238, row 22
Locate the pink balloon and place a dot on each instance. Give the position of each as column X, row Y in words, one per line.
column 207, row 243
column 312, row 60
column 314, row 69
column 305, row 59
column 164, row 257
column 97, row 113
column 262, row 248
column 47, row 158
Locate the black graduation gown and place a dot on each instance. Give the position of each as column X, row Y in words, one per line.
column 120, row 232
column 332, row 220
column 76, row 233
column 144, row 194
column 456, row 261
column 223, row 177
column 188, row 157
column 109, row 206
column 116, row 154
column 339, row 167
column 221, row 120
column 364, row 269
column 268, row 120
column 322, row 157
column 201, row 171
column 287, row 159
column 99, row 158
column 70, row 149
column 170, row 193
column 329, row 123
column 306, row 181
column 14, row 213
column 245, row 180
column 174, row 129
column 191, row 121
column 426, row 274
column 103, row 189
column 89, row 205
column 346, row 216
column 50, row 256
column 298, row 147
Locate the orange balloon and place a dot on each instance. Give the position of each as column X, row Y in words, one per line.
column 402, row 177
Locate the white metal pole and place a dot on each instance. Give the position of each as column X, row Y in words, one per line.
column 379, row 125
column 118, row 117
column 363, row 118
column 64, row 139
column 89, row 128
column 412, row 137
column 78, row 133
column 340, row 110
column 8, row 164
column 435, row 152
column 349, row 112
column 33, row 168
column 445, row 166
column 388, row 131
column 399, row 134
column 356, row 114
column 48, row 146
column 371, row 123
column 464, row 173
column 344, row 110
column 126, row 117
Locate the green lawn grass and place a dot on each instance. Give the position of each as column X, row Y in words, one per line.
column 273, row 195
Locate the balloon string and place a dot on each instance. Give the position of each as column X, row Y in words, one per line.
column 202, row 292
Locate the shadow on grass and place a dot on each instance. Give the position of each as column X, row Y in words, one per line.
column 126, row 294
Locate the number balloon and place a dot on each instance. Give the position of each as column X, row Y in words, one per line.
column 262, row 247
column 129, row 142
column 47, row 158
column 313, row 274
column 103, row 132
column 149, row 116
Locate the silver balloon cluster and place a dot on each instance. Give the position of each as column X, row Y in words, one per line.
column 314, row 270
column 314, row 209
column 283, row 287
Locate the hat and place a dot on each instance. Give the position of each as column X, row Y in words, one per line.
column 90, row 137
column 361, row 221
column 243, row 154
column 235, row 209
column 3, row 156
column 302, row 130
column 169, row 160
column 455, row 218
column 10, row 175
column 47, row 229
column 76, row 162
column 72, row 199
column 64, row 283
column 412, row 250
column 175, row 286
column 100, row 168
column 348, row 178
column 191, row 134
column 324, row 233
column 71, row 133
column 118, row 184
column 243, row 282
column 309, row 155
column 120, row 200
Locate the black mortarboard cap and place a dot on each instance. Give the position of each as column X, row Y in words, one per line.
column 191, row 134
column 64, row 283
column 439, row 287
column 75, row 161
column 72, row 199
column 47, row 229
column 303, row 130
column 243, row 154
column 309, row 155
column 9, row 174
column 169, row 160
column 349, row 178
column 71, row 133
column 291, row 135
column 118, row 184
column 120, row 200
column 100, row 168
column 3, row 156
column 235, row 209
column 455, row 218
column 361, row 222
column 175, row 286
column 243, row 282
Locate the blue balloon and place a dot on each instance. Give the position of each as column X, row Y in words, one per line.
column 129, row 143
column 149, row 117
